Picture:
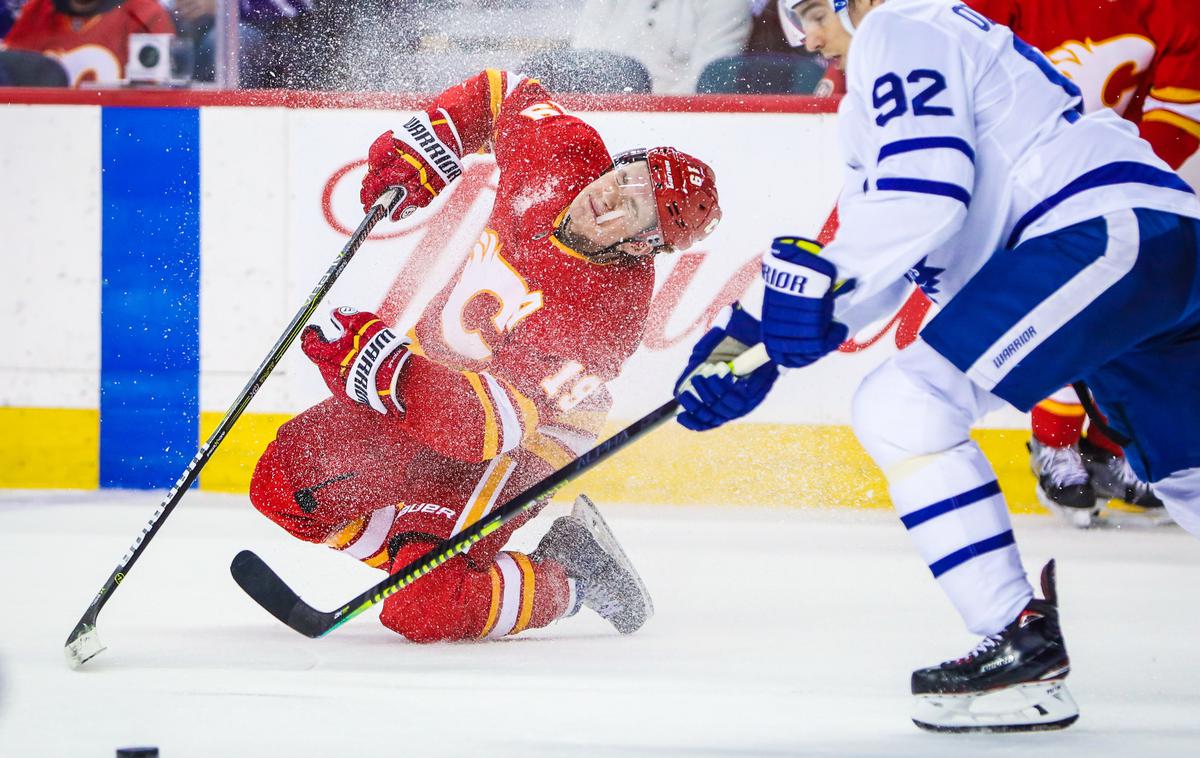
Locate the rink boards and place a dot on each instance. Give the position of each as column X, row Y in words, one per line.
column 157, row 244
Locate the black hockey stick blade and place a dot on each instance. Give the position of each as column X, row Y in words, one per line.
column 262, row 584
column 83, row 643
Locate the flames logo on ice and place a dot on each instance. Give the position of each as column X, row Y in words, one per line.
column 1106, row 71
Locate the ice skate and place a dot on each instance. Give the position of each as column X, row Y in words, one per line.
column 1011, row 681
column 1122, row 497
column 605, row 578
column 1063, row 484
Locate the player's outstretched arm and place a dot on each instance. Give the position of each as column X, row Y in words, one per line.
column 424, row 154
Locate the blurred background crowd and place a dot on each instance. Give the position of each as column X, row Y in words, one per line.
column 670, row 47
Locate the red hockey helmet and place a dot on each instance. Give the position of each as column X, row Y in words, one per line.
column 685, row 191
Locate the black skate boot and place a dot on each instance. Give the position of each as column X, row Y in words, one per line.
column 1114, row 480
column 604, row 577
column 1063, row 484
column 1011, row 682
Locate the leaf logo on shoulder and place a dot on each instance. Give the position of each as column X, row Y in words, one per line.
column 361, row 382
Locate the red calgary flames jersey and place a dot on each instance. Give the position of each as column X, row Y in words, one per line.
column 1139, row 57
column 516, row 348
column 92, row 49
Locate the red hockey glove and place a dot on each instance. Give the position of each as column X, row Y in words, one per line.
column 362, row 360
column 416, row 159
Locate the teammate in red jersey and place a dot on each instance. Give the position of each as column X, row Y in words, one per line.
column 1142, row 59
column 89, row 37
column 502, row 379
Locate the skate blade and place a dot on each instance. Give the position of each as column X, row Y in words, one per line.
column 1080, row 518
column 587, row 512
column 1118, row 513
column 1021, row 708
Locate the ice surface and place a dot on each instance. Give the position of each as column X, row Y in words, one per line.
column 778, row 632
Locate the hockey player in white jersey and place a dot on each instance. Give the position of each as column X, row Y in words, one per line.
column 970, row 170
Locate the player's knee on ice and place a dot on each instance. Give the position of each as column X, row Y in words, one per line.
column 272, row 494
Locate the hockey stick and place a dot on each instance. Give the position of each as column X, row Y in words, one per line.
column 262, row 584
column 1095, row 416
column 84, row 642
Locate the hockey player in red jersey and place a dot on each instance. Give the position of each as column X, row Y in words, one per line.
column 502, row 378
column 1142, row 59
column 89, row 37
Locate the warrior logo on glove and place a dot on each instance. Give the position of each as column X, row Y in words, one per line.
column 797, row 324
column 362, row 359
column 419, row 160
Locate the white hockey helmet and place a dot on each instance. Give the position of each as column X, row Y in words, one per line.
column 793, row 24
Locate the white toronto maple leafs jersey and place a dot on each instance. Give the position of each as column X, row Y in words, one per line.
column 960, row 141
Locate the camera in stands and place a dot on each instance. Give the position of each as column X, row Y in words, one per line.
column 162, row 59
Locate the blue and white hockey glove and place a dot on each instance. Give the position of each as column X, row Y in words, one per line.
column 708, row 390
column 797, row 323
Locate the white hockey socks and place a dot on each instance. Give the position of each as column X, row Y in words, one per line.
column 950, row 502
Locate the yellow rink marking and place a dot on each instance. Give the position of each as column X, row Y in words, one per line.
column 777, row 465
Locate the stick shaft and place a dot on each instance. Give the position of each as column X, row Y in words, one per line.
column 378, row 211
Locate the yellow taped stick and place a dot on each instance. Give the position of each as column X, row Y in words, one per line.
column 749, row 360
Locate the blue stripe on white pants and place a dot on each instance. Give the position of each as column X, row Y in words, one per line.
column 150, row 300
column 913, row 415
column 968, row 547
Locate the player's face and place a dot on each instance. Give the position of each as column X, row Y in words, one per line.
column 616, row 207
column 823, row 30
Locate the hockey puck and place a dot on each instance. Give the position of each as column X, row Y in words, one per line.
column 137, row 752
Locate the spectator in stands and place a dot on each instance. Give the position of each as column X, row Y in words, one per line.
column 768, row 64
column 674, row 39
column 766, row 36
column 833, row 83
column 257, row 21
column 90, row 38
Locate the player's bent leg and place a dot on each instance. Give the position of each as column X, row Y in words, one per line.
column 464, row 601
column 363, row 538
column 1063, row 482
column 331, row 477
column 913, row 416
column 272, row 494
column 1180, row 493
column 1123, row 498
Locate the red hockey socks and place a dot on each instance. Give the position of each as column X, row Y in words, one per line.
column 460, row 601
column 1058, row 420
